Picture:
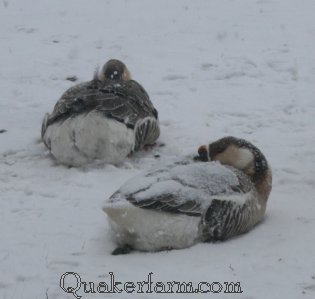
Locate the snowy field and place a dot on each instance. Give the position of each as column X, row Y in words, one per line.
column 212, row 68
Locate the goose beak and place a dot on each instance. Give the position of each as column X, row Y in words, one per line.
column 203, row 153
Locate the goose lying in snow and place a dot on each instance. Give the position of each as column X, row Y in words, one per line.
column 180, row 204
column 105, row 119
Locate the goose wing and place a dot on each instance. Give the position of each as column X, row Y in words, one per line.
column 187, row 188
column 125, row 101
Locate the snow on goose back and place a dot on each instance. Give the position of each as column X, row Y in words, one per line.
column 110, row 113
column 180, row 204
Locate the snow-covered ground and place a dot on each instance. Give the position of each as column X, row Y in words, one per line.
column 212, row 68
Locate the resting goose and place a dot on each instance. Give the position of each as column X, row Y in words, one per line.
column 105, row 119
column 220, row 194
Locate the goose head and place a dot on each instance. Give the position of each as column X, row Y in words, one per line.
column 244, row 156
column 114, row 69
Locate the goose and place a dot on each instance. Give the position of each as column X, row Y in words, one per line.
column 105, row 119
column 221, row 193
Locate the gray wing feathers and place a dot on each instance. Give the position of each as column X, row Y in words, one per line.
column 125, row 101
column 168, row 203
column 147, row 130
column 225, row 218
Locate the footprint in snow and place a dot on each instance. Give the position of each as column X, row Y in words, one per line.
column 174, row 77
column 207, row 66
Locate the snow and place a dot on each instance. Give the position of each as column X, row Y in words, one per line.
column 212, row 68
